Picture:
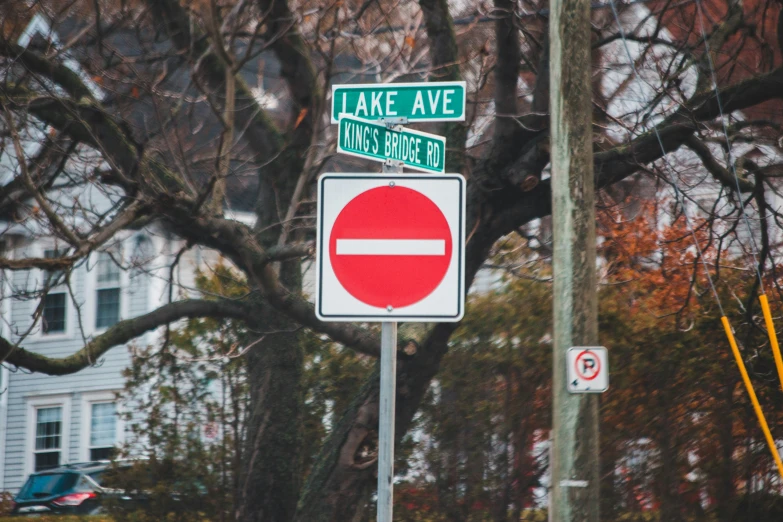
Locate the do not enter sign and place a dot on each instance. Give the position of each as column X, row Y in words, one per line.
column 390, row 248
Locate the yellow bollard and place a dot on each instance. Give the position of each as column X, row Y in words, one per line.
column 773, row 337
column 749, row 386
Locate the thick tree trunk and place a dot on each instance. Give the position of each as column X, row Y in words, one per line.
column 271, row 481
column 335, row 496
column 270, row 484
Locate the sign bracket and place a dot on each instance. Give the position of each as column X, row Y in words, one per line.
column 395, row 123
column 394, row 166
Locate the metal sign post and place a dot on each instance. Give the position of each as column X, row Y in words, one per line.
column 386, row 421
column 387, row 403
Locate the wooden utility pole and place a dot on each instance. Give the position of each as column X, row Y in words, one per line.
column 574, row 466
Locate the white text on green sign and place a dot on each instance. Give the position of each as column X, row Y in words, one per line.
column 425, row 101
column 372, row 140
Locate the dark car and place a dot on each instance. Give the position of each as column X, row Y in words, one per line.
column 86, row 488
column 71, row 489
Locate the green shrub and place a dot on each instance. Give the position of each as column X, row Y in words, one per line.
column 173, row 391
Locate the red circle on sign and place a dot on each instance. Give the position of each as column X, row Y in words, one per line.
column 597, row 367
column 395, row 246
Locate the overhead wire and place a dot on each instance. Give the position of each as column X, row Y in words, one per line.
column 678, row 195
column 724, row 320
column 773, row 338
column 730, row 157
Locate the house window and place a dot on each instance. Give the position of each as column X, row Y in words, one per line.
column 48, row 437
column 54, row 313
column 54, row 302
column 108, row 292
column 103, row 430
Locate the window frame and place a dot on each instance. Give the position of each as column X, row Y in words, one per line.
column 98, row 397
column 33, row 404
column 51, row 294
column 93, row 286
column 40, row 279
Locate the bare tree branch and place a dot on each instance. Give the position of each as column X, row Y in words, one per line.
column 718, row 171
column 507, row 67
column 121, row 333
column 40, row 65
column 444, row 54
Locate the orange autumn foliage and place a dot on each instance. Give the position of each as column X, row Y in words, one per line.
column 655, row 249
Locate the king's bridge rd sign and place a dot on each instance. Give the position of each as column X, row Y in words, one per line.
column 375, row 141
column 426, row 101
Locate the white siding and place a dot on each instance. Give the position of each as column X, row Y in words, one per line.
column 4, row 332
column 23, row 386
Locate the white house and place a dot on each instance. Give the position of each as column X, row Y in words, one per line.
column 48, row 421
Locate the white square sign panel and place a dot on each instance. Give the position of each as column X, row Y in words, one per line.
column 390, row 247
column 588, row 369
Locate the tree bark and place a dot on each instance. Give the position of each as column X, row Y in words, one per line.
column 271, row 479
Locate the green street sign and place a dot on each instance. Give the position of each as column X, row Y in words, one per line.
column 373, row 140
column 425, row 101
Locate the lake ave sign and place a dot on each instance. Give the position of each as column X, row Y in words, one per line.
column 368, row 139
column 426, row 101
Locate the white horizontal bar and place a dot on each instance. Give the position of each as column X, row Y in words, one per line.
column 573, row 483
column 391, row 247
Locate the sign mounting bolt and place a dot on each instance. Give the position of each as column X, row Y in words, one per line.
column 391, row 183
column 390, row 308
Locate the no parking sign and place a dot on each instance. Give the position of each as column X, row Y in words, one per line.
column 588, row 369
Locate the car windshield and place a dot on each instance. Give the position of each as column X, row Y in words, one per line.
column 39, row 486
